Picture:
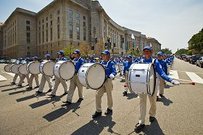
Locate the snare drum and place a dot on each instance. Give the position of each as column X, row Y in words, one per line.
column 23, row 69
column 64, row 70
column 142, row 78
column 14, row 68
column 7, row 67
column 33, row 67
column 47, row 68
column 92, row 75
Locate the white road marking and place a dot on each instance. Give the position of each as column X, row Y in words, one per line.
column 2, row 78
column 11, row 74
column 194, row 77
column 173, row 74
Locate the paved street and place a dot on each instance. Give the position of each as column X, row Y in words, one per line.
column 179, row 113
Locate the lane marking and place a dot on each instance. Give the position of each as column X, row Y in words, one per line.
column 2, row 78
column 173, row 74
column 11, row 74
column 194, row 77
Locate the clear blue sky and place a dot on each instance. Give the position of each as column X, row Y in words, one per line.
column 172, row 22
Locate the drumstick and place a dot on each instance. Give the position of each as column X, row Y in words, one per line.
column 182, row 80
column 189, row 83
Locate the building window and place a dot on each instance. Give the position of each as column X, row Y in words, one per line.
column 39, row 35
column 27, row 22
column 70, row 23
column 46, row 35
column 51, row 34
column 58, row 12
column 84, row 31
column 28, row 28
column 77, row 19
column 58, row 31
column 58, row 20
column 51, row 23
column 42, row 36
column 28, row 37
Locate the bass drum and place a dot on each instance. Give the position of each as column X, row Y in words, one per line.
column 33, row 67
column 7, row 68
column 92, row 75
column 142, row 78
column 47, row 68
column 14, row 68
column 23, row 69
column 64, row 70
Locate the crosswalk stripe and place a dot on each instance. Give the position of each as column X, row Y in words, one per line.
column 2, row 78
column 173, row 74
column 11, row 74
column 194, row 77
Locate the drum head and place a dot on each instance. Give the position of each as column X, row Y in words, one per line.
column 14, row 69
column 7, row 68
column 152, row 81
column 67, row 70
column 33, row 67
column 48, row 68
column 95, row 76
column 23, row 69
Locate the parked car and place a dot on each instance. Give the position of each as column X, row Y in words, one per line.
column 199, row 62
column 187, row 58
column 194, row 58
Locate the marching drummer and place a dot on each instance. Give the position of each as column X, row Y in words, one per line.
column 110, row 71
column 16, row 75
column 127, row 65
column 23, row 76
column 33, row 76
column 61, row 57
column 164, row 67
column 74, row 82
column 147, row 58
column 44, row 79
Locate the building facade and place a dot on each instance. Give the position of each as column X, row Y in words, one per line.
column 156, row 46
column 1, row 39
column 66, row 24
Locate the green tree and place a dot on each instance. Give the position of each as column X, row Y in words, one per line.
column 69, row 49
column 181, row 51
column 166, row 51
column 196, row 43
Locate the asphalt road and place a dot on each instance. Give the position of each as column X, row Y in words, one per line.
column 179, row 113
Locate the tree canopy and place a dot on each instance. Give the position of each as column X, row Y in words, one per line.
column 166, row 51
column 196, row 43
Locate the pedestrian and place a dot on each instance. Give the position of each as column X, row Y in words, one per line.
column 74, row 82
column 147, row 58
column 107, row 87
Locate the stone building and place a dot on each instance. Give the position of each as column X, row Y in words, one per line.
column 19, row 34
column 154, row 44
column 66, row 24
column 1, row 39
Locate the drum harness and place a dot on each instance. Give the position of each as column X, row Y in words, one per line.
column 105, row 66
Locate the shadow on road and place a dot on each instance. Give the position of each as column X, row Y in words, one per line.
column 165, row 101
column 17, row 92
column 131, row 96
column 61, row 111
column 25, row 98
column 95, row 127
column 45, row 102
column 6, row 85
column 168, row 86
column 152, row 129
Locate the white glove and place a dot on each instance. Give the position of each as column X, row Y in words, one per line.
column 111, row 76
column 175, row 82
